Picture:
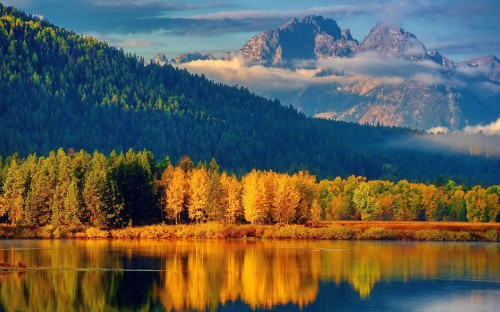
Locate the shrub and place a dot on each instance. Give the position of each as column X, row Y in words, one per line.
column 93, row 232
column 491, row 235
column 333, row 232
column 378, row 233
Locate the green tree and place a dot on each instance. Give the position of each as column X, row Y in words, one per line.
column 101, row 194
column 475, row 201
column 215, row 193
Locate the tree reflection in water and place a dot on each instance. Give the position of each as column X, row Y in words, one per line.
column 113, row 275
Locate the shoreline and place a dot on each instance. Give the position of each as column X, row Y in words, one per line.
column 335, row 230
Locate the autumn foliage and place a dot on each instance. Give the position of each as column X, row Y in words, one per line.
column 79, row 189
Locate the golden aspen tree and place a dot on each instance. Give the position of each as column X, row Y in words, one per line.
column 315, row 212
column 286, row 199
column 161, row 188
column 475, row 201
column 254, row 198
column 232, row 197
column 176, row 192
column 197, row 191
column 308, row 190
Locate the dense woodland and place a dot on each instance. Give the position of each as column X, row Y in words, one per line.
column 59, row 88
column 79, row 189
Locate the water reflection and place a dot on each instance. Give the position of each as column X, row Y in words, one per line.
column 209, row 275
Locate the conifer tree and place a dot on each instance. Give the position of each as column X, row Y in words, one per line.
column 215, row 193
column 102, row 198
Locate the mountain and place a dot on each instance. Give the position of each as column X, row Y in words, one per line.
column 160, row 59
column 311, row 37
column 190, row 57
column 393, row 41
column 388, row 78
column 61, row 89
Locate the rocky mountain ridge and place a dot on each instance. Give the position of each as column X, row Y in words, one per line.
column 446, row 94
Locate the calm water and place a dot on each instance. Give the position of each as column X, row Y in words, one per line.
column 74, row 275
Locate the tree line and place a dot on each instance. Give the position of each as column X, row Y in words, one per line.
column 80, row 189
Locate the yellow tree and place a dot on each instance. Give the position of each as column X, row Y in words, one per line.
column 254, row 197
column 232, row 197
column 315, row 212
column 176, row 191
column 475, row 201
column 286, row 199
column 366, row 201
column 308, row 189
column 197, row 194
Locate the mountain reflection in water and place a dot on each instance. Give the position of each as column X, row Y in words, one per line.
column 109, row 275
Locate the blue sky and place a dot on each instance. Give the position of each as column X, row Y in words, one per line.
column 457, row 28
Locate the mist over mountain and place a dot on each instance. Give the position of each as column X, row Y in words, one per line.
column 388, row 78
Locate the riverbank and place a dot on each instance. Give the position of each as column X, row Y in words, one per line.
column 339, row 230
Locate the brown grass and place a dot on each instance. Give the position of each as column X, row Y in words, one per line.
column 416, row 225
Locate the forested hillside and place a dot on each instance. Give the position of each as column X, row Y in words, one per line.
column 61, row 89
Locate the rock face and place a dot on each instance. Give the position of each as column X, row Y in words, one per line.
column 312, row 37
column 441, row 60
column 190, row 57
column 393, row 41
column 488, row 67
column 159, row 59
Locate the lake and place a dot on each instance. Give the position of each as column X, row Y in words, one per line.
column 248, row 275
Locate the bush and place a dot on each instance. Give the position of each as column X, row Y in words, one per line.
column 333, row 232
column 93, row 232
column 437, row 235
column 491, row 235
column 378, row 233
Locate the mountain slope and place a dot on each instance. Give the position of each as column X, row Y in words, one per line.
column 60, row 89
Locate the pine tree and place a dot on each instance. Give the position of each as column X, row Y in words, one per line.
column 64, row 179
column 102, row 198
column 215, row 193
column 42, row 190
column 15, row 190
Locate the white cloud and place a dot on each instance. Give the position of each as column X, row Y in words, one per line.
column 365, row 67
column 439, row 129
column 256, row 77
column 260, row 14
column 490, row 129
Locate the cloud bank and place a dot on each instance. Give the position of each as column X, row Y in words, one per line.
column 364, row 67
column 490, row 129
